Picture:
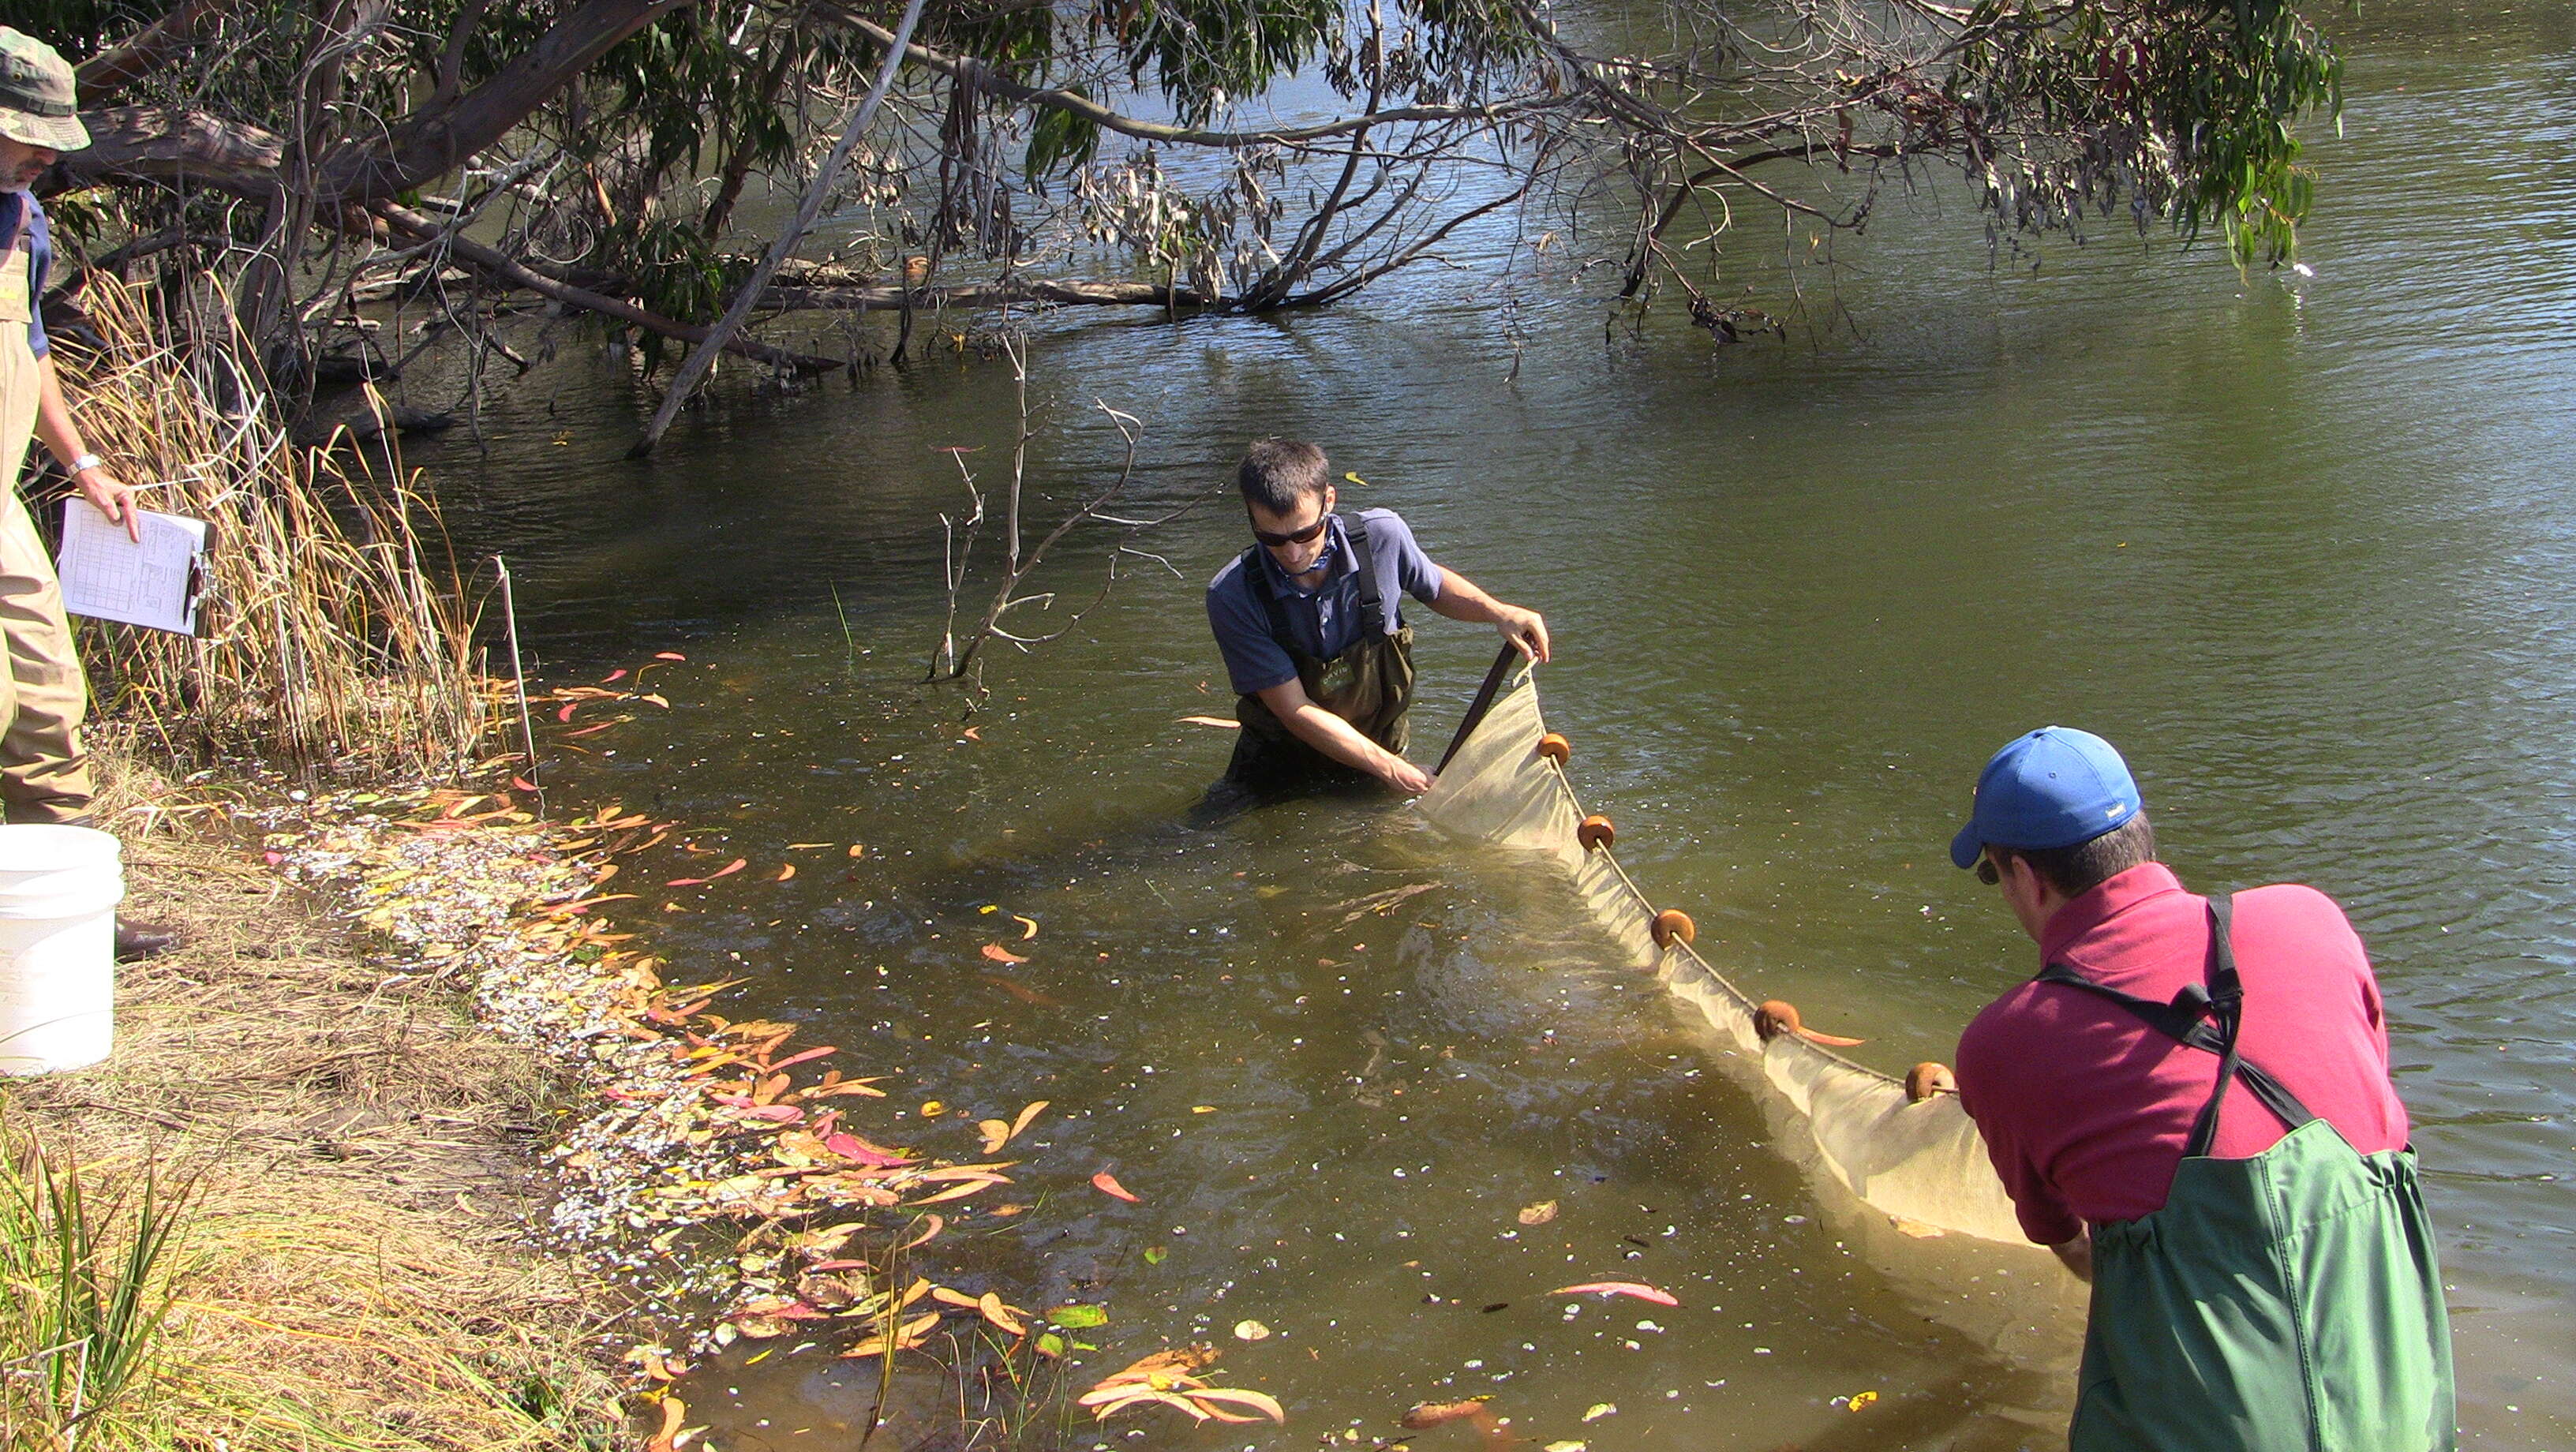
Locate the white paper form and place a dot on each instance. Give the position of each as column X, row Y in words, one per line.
column 108, row 576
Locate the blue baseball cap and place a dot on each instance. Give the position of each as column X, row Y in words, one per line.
column 2055, row 787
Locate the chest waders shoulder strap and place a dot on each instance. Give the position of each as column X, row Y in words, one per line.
column 2221, row 1001
column 1268, row 600
column 1374, row 616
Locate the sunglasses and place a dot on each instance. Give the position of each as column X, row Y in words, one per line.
column 1278, row 541
column 1986, row 871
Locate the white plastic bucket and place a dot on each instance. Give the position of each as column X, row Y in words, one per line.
column 59, row 887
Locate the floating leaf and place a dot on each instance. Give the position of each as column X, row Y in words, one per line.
column 786, row 870
column 1031, row 924
column 1000, row 1315
column 1050, row 1344
column 1538, row 1214
column 616, row 675
column 1618, row 1288
column 1027, row 1114
column 1154, row 1254
column 1079, row 1318
column 971, row 734
column 1862, row 1399
column 1433, row 1414
column 1000, row 954
column 1598, row 1410
column 1202, row 1109
column 1251, row 1331
column 1567, row 1446
column 566, row 713
column 668, row 655
column 674, row 1412
column 655, row 699
column 728, row 870
column 932, row 1109
column 857, row 849
column 996, row 1133
column 1107, row 1184
column 1220, row 722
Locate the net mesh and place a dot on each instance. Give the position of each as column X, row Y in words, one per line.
column 1920, row 1162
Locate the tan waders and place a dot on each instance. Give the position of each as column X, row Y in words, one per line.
column 1369, row 685
column 44, row 774
column 2284, row 1303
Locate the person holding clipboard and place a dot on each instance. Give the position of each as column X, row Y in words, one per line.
column 44, row 772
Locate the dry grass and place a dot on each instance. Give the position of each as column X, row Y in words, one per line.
column 333, row 631
column 353, row 1271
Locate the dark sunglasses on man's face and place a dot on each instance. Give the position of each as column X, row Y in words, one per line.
column 1986, row 871
column 1281, row 541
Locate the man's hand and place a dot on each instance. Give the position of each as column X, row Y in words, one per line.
column 1523, row 628
column 113, row 497
column 2077, row 1255
column 1405, row 777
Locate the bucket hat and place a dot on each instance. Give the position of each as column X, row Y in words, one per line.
column 39, row 104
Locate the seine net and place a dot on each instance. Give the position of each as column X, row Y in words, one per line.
column 1919, row 1161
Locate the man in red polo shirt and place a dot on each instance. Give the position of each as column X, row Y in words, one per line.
column 2263, row 1269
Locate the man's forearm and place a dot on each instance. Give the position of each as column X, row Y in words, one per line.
column 54, row 415
column 1463, row 599
column 1337, row 738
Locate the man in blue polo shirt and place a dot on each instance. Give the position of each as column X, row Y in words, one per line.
column 1314, row 643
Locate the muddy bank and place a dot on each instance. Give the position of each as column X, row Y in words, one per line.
column 355, row 1157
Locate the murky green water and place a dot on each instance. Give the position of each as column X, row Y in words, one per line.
column 2302, row 547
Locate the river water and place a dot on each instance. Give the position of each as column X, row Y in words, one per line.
column 2300, row 545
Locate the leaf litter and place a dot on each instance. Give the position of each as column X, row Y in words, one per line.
column 714, row 1172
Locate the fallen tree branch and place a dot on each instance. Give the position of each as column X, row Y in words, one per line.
column 518, row 274
column 1003, row 293
column 694, row 367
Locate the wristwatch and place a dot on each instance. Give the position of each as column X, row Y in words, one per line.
column 86, row 462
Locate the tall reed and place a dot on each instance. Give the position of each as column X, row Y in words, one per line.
column 84, row 1293
column 334, row 632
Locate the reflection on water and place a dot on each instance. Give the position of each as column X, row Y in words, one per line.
column 2300, row 546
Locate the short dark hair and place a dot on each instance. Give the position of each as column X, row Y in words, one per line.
column 1277, row 475
column 2087, row 865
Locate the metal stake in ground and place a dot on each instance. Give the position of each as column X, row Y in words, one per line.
column 527, row 729
column 695, row 368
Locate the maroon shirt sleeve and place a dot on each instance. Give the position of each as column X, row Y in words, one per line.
column 1994, row 1091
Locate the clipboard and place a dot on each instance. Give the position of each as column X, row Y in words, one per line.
column 155, row 583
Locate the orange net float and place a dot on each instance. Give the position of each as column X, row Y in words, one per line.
column 1595, row 833
column 1927, row 1079
column 1779, row 1016
column 1555, row 748
column 1671, row 925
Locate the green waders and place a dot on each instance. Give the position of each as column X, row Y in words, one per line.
column 2284, row 1303
column 1370, row 685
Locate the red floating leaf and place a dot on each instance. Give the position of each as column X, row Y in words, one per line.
column 668, row 655
column 615, row 675
column 1107, row 1184
column 1000, row 954
column 1618, row 1288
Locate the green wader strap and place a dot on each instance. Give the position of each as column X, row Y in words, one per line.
column 2291, row 1302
